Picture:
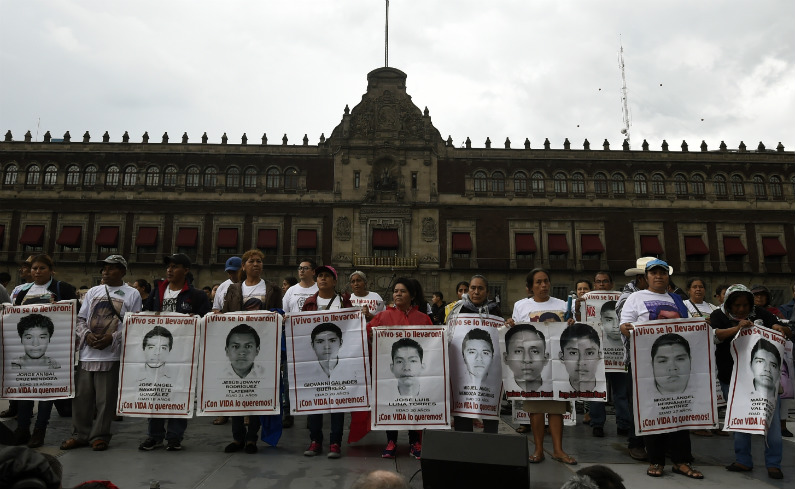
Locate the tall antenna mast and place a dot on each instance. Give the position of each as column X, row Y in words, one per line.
column 624, row 103
column 386, row 37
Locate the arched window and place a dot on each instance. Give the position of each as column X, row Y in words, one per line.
column 618, row 184
column 112, row 176
column 657, row 185
column 90, row 176
column 719, row 185
column 192, row 180
column 250, row 178
column 537, row 182
column 130, row 176
column 272, row 179
column 170, row 176
column 152, row 176
column 559, row 180
column 641, row 188
column 520, row 182
column 73, row 176
column 290, row 179
column 480, row 182
column 497, row 182
column 50, row 175
column 33, row 175
column 577, row 183
column 232, row 177
column 600, row 184
column 680, row 185
column 697, row 186
column 776, row 189
column 210, row 178
column 10, row 177
column 738, row 189
column 759, row 187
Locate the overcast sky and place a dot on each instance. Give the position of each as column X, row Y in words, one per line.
column 708, row 69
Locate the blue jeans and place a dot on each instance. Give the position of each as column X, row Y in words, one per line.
column 176, row 428
column 316, row 428
column 618, row 385
column 774, row 446
column 25, row 414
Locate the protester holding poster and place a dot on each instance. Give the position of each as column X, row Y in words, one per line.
column 737, row 314
column 404, row 311
column 370, row 302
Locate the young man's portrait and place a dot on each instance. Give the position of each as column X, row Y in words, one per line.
column 765, row 368
column 407, row 366
column 242, row 348
column 326, row 343
column 478, row 352
column 608, row 319
column 157, row 345
column 580, row 351
column 35, row 332
column 670, row 358
column 526, row 356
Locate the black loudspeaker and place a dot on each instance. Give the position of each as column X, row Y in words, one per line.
column 462, row 460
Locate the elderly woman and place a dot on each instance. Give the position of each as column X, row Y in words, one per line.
column 370, row 302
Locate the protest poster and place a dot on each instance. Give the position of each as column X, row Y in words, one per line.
column 411, row 386
column 520, row 416
column 673, row 376
column 157, row 376
column 239, row 367
column 527, row 370
column 38, row 346
column 578, row 369
column 475, row 365
column 757, row 352
column 327, row 361
column 600, row 312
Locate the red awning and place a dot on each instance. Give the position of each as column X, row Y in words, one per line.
column 32, row 236
column 268, row 239
column 227, row 238
column 108, row 236
column 591, row 243
column 650, row 245
column 694, row 246
column 771, row 246
column 70, row 236
column 558, row 243
column 306, row 239
column 462, row 243
column 385, row 239
column 733, row 246
column 147, row 236
column 525, row 243
column 187, row 237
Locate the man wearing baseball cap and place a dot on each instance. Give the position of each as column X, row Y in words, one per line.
column 233, row 266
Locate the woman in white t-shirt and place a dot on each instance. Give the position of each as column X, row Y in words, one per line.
column 370, row 302
column 696, row 304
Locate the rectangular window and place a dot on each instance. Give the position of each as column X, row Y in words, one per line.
column 525, row 244
column 146, row 240
column 413, row 180
column 108, row 240
column 385, row 242
column 268, row 243
column 69, row 239
column 461, row 245
column 357, row 175
column 227, row 241
column 306, row 242
column 186, row 241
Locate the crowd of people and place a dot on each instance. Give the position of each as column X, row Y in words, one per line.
column 99, row 337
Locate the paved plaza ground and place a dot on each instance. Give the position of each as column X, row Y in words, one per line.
column 203, row 464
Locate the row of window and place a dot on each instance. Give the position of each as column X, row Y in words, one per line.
column 617, row 184
column 152, row 177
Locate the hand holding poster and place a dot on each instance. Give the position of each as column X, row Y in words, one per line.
column 158, row 365
column 600, row 312
column 327, row 361
column 475, row 365
column 753, row 392
column 38, row 351
column 239, row 371
column 673, row 375
column 411, row 379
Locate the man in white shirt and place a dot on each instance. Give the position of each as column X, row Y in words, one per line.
column 233, row 266
column 295, row 296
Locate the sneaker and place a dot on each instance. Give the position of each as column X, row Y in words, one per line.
column 150, row 444
column 314, row 449
column 786, row 432
column 174, row 446
column 416, row 450
column 599, row 432
column 334, row 450
column 390, row 450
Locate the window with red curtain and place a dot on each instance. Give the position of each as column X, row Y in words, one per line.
column 147, row 237
column 227, row 238
column 306, row 239
column 557, row 244
column 32, row 236
column 187, row 237
column 733, row 246
column 771, row 246
column 525, row 243
column 70, row 236
column 650, row 245
column 695, row 246
column 108, row 237
column 591, row 244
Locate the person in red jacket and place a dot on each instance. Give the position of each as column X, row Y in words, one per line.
column 406, row 296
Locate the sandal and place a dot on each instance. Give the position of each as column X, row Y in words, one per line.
column 73, row 443
column 99, row 445
column 566, row 459
column 523, row 428
column 655, row 470
column 690, row 472
column 220, row 420
column 536, row 459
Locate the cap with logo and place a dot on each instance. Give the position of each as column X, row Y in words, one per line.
column 233, row 264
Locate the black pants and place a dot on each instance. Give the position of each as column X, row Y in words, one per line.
column 414, row 436
column 676, row 443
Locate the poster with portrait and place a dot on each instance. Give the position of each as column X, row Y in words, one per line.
column 758, row 353
column 159, row 357
column 599, row 311
column 578, row 368
column 239, row 364
column 526, row 366
column 38, row 346
column 673, row 376
column 327, row 361
column 520, row 416
column 475, row 365
column 787, row 373
column 411, row 379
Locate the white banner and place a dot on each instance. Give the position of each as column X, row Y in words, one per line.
column 475, row 365
column 411, row 378
column 239, row 371
column 673, row 370
column 753, row 392
column 600, row 312
column 327, row 361
column 38, row 351
column 157, row 377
